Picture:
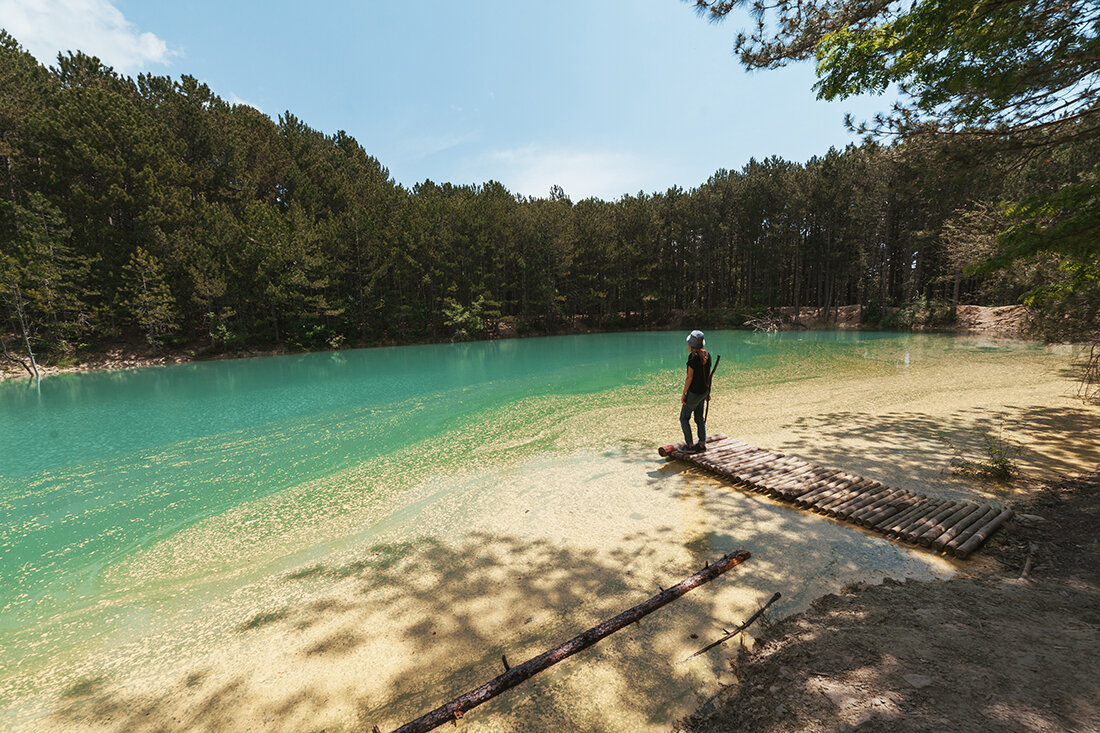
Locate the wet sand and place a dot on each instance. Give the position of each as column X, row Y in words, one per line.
column 329, row 606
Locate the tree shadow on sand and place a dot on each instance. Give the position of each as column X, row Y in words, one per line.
column 968, row 655
column 1051, row 441
column 408, row 626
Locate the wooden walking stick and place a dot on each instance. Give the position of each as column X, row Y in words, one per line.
column 730, row 634
column 710, row 380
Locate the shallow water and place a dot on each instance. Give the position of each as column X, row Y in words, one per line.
column 355, row 537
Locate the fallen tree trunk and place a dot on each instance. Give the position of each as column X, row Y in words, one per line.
column 520, row 673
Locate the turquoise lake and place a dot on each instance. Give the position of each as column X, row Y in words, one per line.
column 143, row 504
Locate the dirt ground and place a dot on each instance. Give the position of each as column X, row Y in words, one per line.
column 1012, row 646
column 1006, row 321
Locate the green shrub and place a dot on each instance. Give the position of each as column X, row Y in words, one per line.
column 998, row 463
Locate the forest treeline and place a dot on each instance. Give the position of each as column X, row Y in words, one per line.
column 151, row 209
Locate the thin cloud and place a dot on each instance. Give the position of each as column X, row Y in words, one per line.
column 429, row 145
column 531, row 171
column 96, row 27
column 235, row 100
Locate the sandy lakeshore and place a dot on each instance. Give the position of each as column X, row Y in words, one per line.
column 560, row 518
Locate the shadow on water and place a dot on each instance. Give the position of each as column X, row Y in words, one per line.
column 410, row 625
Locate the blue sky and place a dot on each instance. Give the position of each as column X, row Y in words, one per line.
column 602, row 97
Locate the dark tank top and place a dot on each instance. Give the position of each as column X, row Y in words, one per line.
column 701, row 365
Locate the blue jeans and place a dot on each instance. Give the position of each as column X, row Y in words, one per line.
column 693, row 404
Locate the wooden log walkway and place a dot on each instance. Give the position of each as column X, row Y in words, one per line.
column 951, row 527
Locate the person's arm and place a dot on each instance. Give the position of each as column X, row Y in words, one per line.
column 687, row 383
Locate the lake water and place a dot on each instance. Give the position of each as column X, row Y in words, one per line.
column 371, row 527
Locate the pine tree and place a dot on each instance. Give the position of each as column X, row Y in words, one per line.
column 150, row 304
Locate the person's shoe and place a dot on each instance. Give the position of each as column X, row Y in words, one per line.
column 700, row 447
column 692, row 449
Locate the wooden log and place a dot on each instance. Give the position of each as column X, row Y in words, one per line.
column 666, row 450
column 883, row 514
column 765, row 479
column 990, row 512
column 825, row 480
column 930, row 507
column 726, row 451
column 983, row 534
column 820, row 480
column 946, row 523
column 981, row 512
column 886, row 511
column 718, row 441
column 797, row 483
column 746, row 472
column 723, row 461
column 824, row 488
column 846, row 509
column 849, row 494
column 888, row 522
column 733, row 442
column 514, row 676
column 810, row 500
column 757, row 474
column 856, row 492
column 742, row 467
column 794, row 472
column 832, row 488
column 711, row 458
column 736, row 463
column 735, row 446
column 843, row 494
column 778, row 464
column 894, row 496
column 933, row 522
column 845, row 491
column 821, row 483
column 920, row 522
column 802, row 483
column 770, row 482
column 870, row 491
column 902, row 519
column 788, row 489
column 1032, row 548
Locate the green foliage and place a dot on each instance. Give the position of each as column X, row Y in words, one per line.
column 1066, row 222
column 219, row 328
column 150, row 208
column 919, row 313
column 998, row 463
column 1006, row 84
column 41, row 282
column 1000, row 67
column 150, row 302
column 470, row 321
column 1067, row 305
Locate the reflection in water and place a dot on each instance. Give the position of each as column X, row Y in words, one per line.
column 220, row 541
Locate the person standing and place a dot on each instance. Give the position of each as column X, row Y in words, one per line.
column 696, row 392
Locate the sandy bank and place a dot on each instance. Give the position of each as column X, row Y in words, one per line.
column 998, row 321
